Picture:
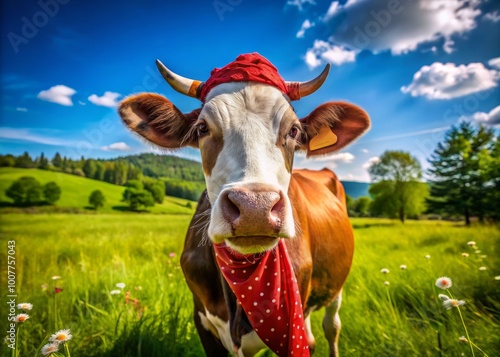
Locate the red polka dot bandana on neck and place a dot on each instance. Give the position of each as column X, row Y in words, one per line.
column 266, row 287
column 250, row 67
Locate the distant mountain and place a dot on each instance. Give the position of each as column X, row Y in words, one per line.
column 356, row 189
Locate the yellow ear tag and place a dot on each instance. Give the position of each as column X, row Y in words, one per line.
column 325, row 137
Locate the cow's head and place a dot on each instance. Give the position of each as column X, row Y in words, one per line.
column 247, row 133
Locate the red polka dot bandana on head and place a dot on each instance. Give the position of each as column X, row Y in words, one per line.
column 266, row 287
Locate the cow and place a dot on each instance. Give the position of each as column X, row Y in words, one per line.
column 257, row 211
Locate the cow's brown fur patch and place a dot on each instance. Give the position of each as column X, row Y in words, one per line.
column 210, row 148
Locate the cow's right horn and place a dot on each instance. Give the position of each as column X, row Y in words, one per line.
column 181, row 84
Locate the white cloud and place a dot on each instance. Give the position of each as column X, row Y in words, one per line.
column 311, row 60
column 399, row 26
column 357, row 178
column 120, row 146
column 109, row 99
column 323, row 51
column 492, row 16
column 305, row 26
column 364, row 151
column 185, row 152
column 300, row 3
column 370, row 162
column 491, row 118
column 494, row 62
column 59, row 94
column 29, row 135
column 319, row 162
column 446, row 81
column 22, row 109
column 343, row 157
column 81, row 103
column 410, row 134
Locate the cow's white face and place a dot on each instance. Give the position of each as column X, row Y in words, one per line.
column 248, row 133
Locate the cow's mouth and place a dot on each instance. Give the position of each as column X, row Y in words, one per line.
column 252, row 244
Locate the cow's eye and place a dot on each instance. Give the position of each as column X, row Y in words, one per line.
column 202, row 129
column 294, row 131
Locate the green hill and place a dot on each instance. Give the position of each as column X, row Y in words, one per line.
column 76, row 191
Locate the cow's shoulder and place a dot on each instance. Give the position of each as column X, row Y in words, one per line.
column 325, row 177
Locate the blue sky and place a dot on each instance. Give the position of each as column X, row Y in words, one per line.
column 417, row 67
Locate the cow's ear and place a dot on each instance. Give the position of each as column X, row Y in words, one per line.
column 156, row 119
column 332, row 126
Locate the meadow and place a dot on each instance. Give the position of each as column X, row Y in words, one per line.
column 151, row 316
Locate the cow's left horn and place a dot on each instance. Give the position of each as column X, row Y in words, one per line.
column 301, row 89
column 180, row 84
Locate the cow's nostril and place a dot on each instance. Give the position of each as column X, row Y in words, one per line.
column 230, row 210
column 276, row 214
column 278, row 207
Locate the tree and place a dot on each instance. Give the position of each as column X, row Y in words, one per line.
column 385, row 201
column 7, row 160
column 396, row 176
column 109, row 172
column 78, row 172
column 99, row 171
column 361, row 206
column 97, row 199
column 57, row 161
column 51, row 192
column 136, row 196
column 43, row 162
column 24, row 161
column 25, row 191
column 89, row 168
column 490, row 162
column 157, row 189
column 120, row 173
column 65, row 164
column 134, row 173
column 349, row 201
column 135, row 184
column 463, row 172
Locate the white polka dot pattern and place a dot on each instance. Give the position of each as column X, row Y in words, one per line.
column 261, row 282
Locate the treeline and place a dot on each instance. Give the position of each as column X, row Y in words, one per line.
column 172, row 167
column 184, row 189
column 464, row 180
column 183, row 178
column 116, row 172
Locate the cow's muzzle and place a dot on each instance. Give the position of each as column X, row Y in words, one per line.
column 253, row 210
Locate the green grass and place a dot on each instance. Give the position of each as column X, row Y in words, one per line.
column 94, row 252
column 76, row 191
